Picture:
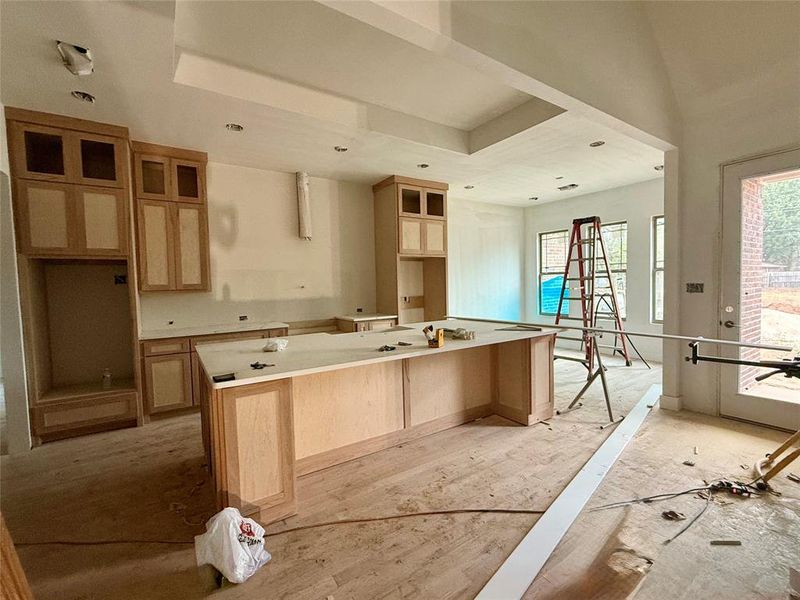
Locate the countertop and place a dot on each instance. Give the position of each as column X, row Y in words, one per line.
column 360, row 317
column 320, row 352
column 238, row 327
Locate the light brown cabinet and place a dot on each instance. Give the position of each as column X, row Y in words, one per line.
column 56, row 219
column 411, row 248
column 171, row 370
column 55, row 154
column 172, row 219
column 168, row 382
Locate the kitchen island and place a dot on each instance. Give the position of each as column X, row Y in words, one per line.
column 328, row 399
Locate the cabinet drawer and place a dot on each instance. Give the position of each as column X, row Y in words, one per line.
column 169, row 346
column 227, row 337
column 383, row 324
column 95, row 410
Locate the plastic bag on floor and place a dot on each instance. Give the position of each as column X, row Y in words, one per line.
column 233, row 544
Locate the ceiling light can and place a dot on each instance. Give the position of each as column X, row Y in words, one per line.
column 533, row 198
column 596, row 144
column 659, row 167
column 340, row 148
column 234, row 127
column 469, row 187
column 83, row 96
column 423, row 165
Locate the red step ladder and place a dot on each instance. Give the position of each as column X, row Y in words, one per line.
column 587, row 262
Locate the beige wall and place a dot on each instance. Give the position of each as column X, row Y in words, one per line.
column 735, row 69
column 13, row 363
column 259, row 266
column 486, row 255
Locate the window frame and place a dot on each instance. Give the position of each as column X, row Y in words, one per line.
column 654, row 268
column 541, row 273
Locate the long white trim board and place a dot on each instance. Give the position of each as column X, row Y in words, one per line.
column 516, row 574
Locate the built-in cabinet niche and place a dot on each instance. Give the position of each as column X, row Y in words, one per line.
column 79, row 328
column 71, row 203
column 411, row 248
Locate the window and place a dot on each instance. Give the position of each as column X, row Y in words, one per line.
column 553, row 247
column 657, row 284
column 615, row 240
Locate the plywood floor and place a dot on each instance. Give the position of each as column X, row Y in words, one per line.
column 149, row 484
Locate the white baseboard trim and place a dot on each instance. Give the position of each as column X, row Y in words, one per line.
column 670, row 402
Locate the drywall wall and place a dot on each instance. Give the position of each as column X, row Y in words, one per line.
column 636, row 204
column 260, row 267
column 89, row 321
column 735, row 70
column 17, row 432
column 486, row 256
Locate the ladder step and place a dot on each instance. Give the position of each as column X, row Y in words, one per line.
column 610, row 347
column 569, row 319
column 572, row 358
column 579, row 259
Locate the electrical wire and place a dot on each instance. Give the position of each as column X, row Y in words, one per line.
column 454, row 511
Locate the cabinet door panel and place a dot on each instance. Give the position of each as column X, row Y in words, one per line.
column 153, row 177
column 156, row 248
column 188, row 181
column 410, row 238
column 45, row 214
column 435, row 238
column 191, row 247
column 169, row 382
column 435, row 204
column 104, row 224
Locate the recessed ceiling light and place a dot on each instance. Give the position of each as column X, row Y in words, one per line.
column 533, row 198
column 469, row 187
column 340, row 148
column 423, row 165
column 234, row 127
column 85, row 96
column 569, row 186
column 597, row 144
column 659, row 167
column 560, row 177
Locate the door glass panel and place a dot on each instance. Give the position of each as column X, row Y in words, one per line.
column 434, row 203
column 770, row 279
column 98, row 160
column 411, row 201
column 47, row 213
column 187, row 181
column 44, row 153
column 153, row 177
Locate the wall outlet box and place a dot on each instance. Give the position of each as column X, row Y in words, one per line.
column 243, row 317
column 694, row 288
column 359, row 309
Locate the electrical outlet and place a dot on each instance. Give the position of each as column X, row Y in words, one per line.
column 120, row 279
column 694, row 288
column 243, row 317
column 170, row 322
column 359, row 309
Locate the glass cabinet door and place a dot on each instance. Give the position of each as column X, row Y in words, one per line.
column 187, row 181
column 410, row 201
column 153, row 175
column 40, row 152
column 100, row 160
column 435, row 204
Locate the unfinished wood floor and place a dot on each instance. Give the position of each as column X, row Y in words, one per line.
column 149, row 484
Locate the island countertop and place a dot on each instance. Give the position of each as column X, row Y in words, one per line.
column 319, row 352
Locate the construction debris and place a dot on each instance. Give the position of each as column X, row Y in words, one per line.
column 671, row 515
column 726, row 543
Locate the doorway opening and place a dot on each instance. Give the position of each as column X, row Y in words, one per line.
column 770, row 279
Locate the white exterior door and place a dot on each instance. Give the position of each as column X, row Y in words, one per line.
column 751, row 309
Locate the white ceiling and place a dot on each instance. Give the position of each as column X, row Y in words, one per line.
column 319, row 51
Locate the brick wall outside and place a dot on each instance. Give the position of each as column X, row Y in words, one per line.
column 752, row 277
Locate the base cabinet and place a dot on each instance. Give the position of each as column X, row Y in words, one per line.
column 171, row 370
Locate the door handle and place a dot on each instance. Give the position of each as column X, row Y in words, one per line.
column 730, row 324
